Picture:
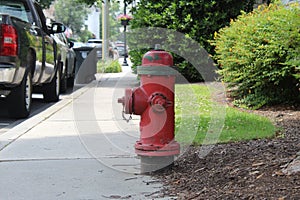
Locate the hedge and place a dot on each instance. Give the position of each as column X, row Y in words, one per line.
column 259, row 56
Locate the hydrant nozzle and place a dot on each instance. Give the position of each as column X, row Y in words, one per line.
column 121, row 100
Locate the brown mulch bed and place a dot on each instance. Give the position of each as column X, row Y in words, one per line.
column 242, row 170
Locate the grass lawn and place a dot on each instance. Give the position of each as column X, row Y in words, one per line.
column 202, row 120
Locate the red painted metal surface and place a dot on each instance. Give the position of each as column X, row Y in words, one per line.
column 154, row 101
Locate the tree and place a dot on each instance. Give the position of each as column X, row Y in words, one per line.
column 88, row 2
column 45, row 3
column 72, row 14
column 91, row 2
column 196, row 19
column 114, row 25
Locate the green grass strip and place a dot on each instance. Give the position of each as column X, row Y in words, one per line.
column 198, row 115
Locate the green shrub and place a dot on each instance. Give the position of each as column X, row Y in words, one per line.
column 196, row 19
column 258, row 56
column 111, row 66
column 136, row 58
column 185, row 68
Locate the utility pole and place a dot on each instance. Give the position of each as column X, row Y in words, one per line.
column 125, row 43
column 105, row 24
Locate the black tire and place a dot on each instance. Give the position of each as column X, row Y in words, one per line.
column 64, row 81
column 71, row 82
column 51, row 90
column 71, row 79
column 20, row 98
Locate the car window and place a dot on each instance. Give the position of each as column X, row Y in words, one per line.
column 16, row 9
column 63, row 38
column 42, row 17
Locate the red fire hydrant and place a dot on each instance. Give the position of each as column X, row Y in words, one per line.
column 154, row 101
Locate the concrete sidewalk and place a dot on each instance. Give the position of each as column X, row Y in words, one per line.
column 80, row 148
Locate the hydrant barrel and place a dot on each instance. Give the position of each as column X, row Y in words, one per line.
column 158, row 119
column 154, row 101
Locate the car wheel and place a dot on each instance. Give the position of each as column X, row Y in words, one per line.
column 71, row 82
column 64, row 82
column 20, row 98
column 71, row 79
column 51, row 90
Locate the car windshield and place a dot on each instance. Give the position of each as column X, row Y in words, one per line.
column 15, row 9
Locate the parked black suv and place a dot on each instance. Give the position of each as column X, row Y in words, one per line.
column 28, row 56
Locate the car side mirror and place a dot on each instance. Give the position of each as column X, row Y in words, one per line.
column 71, row 44
column 58, row 27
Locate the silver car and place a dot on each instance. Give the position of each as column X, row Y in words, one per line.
column 97, row 43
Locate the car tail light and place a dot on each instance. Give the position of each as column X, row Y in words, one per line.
column 8, row 40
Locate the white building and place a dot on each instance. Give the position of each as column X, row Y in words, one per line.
column 93, row 21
